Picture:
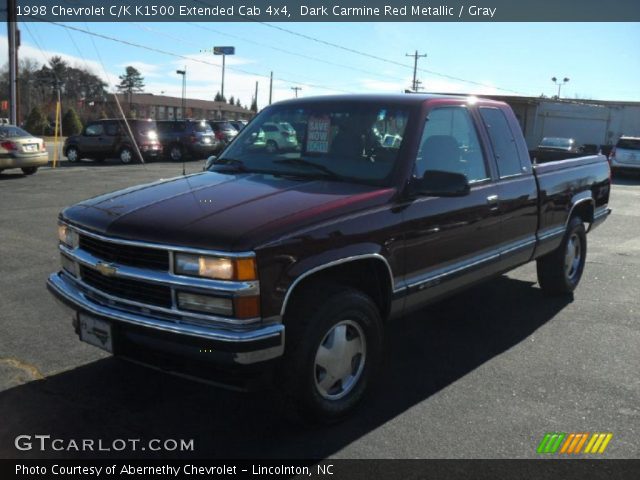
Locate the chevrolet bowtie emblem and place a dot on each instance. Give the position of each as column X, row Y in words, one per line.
column 106, row 269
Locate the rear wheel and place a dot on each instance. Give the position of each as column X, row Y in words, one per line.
column 29, row 170
column 334, row 345
column 559, row 272
column 72, row 154
column 126, row 155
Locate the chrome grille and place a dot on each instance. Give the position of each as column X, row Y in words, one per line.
column 134, row 256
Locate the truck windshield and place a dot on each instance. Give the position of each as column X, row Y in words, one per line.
column 555, row 142
column 629, row 143
column 354, row 142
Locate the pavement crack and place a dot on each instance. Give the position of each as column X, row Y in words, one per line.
column 29, row 369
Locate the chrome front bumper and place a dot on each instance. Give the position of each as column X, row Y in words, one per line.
column 246, row 346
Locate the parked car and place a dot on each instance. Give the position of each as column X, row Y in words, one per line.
column 625, row 156
column 110, row 138
column 238, row 124
column 180, row 138
column 277, row 136
column 328, row 243
column 223, row 131
column 20, row 149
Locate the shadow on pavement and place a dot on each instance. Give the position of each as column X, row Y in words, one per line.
column 428, row 350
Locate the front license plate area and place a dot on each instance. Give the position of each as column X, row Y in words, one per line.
column 96, row 332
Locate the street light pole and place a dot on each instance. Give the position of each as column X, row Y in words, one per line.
column 184, row 90
column 559, row 83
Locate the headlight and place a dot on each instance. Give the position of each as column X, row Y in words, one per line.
column 67, row 236
column 219, row 268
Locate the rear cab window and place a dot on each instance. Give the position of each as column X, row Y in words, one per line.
column 629, row 143
column 503, row 142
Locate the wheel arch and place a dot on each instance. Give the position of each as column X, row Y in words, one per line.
column 369, row 272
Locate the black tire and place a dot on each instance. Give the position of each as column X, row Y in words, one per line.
column 126, row 155
column 319, row 315
column 176, row 153
column 29, row 170
column 72, row 154
column 272, row 146
column 559, row 272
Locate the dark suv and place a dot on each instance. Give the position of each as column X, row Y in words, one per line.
column 224, row 131
column 187, row 137
column 110, row 138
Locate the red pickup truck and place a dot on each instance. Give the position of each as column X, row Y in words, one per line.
column 381, row 205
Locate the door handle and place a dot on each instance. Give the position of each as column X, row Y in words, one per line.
column 492, row 200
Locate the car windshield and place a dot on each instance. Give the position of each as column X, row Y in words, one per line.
column 203, row 127
column 556, row 142
column 354, row 142
column 7, row 132
column 629, row 143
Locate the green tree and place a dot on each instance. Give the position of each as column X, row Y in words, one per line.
column 36, row 122
column 132, row 81
column 238, row 102
column 232, row 100
column 254, row 105
column 71, row 124
column 219, row 97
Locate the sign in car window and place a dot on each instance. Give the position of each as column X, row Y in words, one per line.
column 318, row 134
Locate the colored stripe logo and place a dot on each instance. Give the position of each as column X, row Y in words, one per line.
column 573, row 443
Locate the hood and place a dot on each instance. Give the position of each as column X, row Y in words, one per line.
column 233, row 212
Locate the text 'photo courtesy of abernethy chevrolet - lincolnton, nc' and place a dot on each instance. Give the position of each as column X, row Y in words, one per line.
column 322, row 221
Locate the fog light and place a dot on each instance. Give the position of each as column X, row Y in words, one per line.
column 205, row 303
column 69, row 265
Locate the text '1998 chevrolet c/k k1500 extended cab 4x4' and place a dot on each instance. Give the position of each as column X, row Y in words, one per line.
column 290, row 263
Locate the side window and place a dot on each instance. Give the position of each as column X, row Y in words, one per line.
column 111, row 129
column 94, row 130
column 503, row 142
column 450, row 143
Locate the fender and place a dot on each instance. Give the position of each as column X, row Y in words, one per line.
column 317, row 263
column 579, row 199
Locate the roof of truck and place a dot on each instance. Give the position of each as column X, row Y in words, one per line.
column 396, row 98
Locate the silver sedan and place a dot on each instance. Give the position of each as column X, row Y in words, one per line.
column 20, row 149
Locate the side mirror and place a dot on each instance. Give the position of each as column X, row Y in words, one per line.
column 209, row 162
column 437, row 183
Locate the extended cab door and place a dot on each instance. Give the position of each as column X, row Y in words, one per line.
column 450, row 241
column 517, row 187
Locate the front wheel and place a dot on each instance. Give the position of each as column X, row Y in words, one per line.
column 72, row 154
column 334, row 345
column 560, row 271
column 29, row 170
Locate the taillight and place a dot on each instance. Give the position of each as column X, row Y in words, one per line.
column 219, row 135
column 11, row 146
column 44, row 146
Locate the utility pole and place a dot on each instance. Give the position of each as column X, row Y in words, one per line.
column 12, row 32
column 270, row 87
column 296, row 90
column 415, row 84
column 256, row 97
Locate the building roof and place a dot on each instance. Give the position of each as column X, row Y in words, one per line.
column 167, row 101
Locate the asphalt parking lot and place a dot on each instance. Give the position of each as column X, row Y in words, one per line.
column 484, row 374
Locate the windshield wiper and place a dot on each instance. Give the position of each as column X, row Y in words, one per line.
column 236, row 164
column 306, row 163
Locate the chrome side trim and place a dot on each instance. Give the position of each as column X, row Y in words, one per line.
column 475, row 261
column 551, row 232
column 352, row 258
column 159, row 246
column 166, row 278
column 60, row 287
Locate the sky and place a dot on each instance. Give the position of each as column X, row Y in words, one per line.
column 600, row 59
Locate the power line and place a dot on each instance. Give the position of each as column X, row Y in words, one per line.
column 382, row 59
column 190, row 59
